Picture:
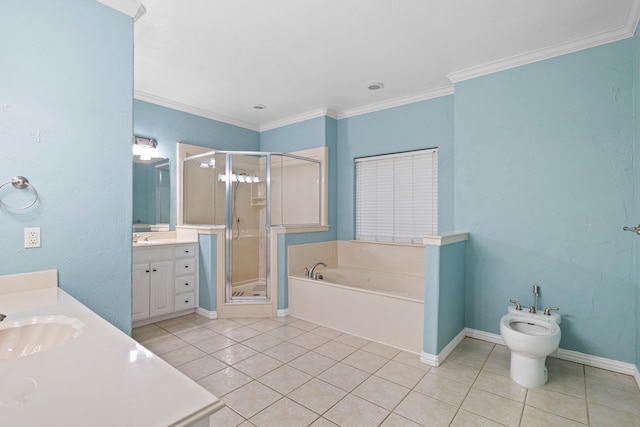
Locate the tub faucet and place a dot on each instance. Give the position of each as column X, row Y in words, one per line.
column 536, row 292
column 313, row 275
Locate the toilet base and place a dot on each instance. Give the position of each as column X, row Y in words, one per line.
column 528, row 372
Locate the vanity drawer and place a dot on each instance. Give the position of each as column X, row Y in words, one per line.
column 185, row 266
column 185, row 284
column 185, row 251
column 150, row 255
column 184, row 301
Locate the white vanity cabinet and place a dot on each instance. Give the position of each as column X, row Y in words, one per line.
column 164, row 282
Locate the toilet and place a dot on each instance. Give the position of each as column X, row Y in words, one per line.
column 531, row 337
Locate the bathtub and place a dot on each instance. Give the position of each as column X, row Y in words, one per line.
column 384, row 307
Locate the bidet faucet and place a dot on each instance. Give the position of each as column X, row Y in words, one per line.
column 312, row 269
column 518, row 305
column 536, row 292
column 547, row 310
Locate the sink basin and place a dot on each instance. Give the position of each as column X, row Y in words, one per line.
column 22, row 337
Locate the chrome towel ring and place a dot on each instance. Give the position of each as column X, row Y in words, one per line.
column 21, row 183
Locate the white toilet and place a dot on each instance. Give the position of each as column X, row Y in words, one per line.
column 531, row 337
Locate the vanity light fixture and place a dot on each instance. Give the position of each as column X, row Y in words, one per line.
column 145, row 148
column 239, row 177
column 375, row 86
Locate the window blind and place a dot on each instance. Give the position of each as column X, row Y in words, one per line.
column 397, row 197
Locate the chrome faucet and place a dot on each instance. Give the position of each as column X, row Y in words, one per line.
column 536, row 292
column 310, row 272
column 2, row 317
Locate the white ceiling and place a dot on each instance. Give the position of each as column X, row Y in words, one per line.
column 217, row 58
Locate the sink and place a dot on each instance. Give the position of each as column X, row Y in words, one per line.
column 28, row 335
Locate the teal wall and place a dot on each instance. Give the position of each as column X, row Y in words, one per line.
column 414, row 126
column 65, row 123
column 635, row 209
column 544, row 183
column 318, row 132
column 208, row 272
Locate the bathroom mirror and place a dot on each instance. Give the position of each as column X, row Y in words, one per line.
column 151, row 194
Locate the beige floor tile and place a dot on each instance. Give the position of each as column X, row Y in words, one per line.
column 262, row 342
column 202, row 367
column 178, row 325
column 286, row 332
column 225, row 418
column 410, row 359
column 327, row 332
column 257, row 365
column 265, row 325
column 499, row 362
column 322, row 422
column 356, row 412
column 395, row 420
column 309, row 340
column 555, row 366
column 401, row 374
column 304, row 325
column 351, row 340
column 224, row 381
column 234, row 353
column 608, row 394
column 605, row 416
column 284, row 379
column 149, row 333
column 500, row 385
column 365, row 361
column 468, row 357
column 381, row 392
column 183, row 355
column 335, row 350
column 165, row 345
column 344, row 376
column 610, row 379
column 242, row 333
column 246, row 321
column 317, row 395
column 222, row 325
column 493, row 407
column 214, row 344
column 443, row 388
column 469, row 419
column 426, row 410
column 457, row 371
column 558, row 403
column 247, row 424
column 285, row 352
column 476, row 346
column 312, row 363
column 197, row 334
column 563, row 382
column 385, row 351
column 284, row 413
column 534, row 417
column 250, row 399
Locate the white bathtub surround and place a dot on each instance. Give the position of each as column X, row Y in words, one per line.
column 100, row 378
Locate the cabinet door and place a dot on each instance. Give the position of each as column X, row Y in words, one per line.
column 162, row 290
column 140, row 292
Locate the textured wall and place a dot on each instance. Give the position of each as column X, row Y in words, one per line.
column 544, row 183
column 65, row 123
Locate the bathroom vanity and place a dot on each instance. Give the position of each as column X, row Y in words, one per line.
column 164, row 280
column 96, row 377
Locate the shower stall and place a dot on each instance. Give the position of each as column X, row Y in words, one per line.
column 248, row 193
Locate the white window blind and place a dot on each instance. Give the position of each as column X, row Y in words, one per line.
column 397, row 197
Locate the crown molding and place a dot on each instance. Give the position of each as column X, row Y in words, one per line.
column 622, row 32
column 143, row 96
column 314, row 114
column 396, row 102
column 130, row 8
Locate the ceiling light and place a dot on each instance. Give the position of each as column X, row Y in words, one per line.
column 259, row 106
column 375, row 86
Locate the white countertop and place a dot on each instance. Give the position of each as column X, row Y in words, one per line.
column 101, row 378
column 161, row 242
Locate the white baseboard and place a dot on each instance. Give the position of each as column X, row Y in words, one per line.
column 570, row 355
column 283, row 312
column 206, row 313
column 438, row 359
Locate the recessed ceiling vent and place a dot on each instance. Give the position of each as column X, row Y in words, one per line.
column 259, row 106
column 375, row 86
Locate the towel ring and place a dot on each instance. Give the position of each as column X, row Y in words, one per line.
column 21, row 183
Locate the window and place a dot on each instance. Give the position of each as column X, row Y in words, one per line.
column 397, row 197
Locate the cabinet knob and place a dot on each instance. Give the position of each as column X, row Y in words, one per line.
column 186, row 284
column 155, row 269
column 186, row 301
column 186, row 266
column 186, row 252
column 146, row 271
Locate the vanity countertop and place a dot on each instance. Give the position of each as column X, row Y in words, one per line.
column 162, row 242
column 100, row 378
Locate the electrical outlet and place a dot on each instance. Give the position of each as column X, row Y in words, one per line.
column 32, row 237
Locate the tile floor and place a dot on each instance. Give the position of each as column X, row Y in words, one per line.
column 289, row 372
